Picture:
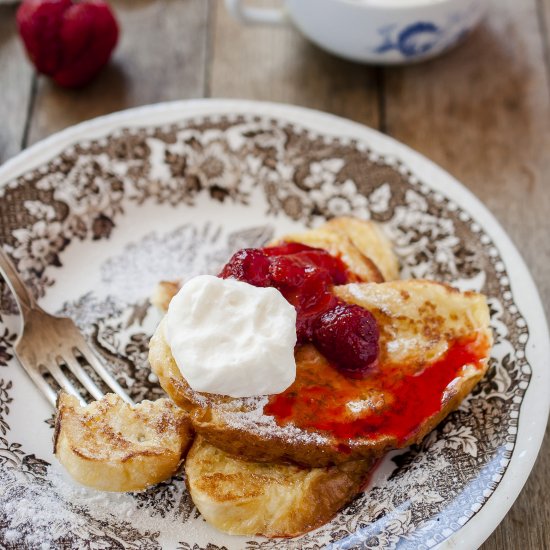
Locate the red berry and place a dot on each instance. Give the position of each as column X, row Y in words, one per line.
column 288, row 271
column 314, row 256
column 347, row 335
column 324, row 261
column 250, row 265
column 310, row 308
column 68, row 41
column 306, row 287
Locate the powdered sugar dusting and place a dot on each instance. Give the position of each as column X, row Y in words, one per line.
column 52, row 509
column 247, row 414
column 252, row 418
column 57, row 510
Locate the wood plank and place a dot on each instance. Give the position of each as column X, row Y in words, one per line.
column 161, row 56
column 278, row 64
column 16, row 85
column 483, row 113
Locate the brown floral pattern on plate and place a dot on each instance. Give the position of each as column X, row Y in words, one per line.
column 290, row 173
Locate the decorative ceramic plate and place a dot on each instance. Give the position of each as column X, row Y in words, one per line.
column 96, row 215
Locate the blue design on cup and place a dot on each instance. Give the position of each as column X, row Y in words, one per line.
column 414, row 40
column 418, row 39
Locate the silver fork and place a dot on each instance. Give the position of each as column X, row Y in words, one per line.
column 46, row 343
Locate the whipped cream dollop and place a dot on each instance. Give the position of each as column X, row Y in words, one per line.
column 231, row 338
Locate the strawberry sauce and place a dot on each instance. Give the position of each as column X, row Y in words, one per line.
column 392, row 400
column 342, row 385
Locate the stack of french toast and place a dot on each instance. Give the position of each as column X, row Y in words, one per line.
column 281, row 465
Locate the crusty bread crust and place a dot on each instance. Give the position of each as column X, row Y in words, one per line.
column 369, row 239
column 112, row 446
column 273, row 500
column 163, row 293
column 427, row 316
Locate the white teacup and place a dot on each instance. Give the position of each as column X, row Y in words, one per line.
column 374, row 31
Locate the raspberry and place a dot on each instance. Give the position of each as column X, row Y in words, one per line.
column 67, row 41
column 347, row 335
column 250, row 265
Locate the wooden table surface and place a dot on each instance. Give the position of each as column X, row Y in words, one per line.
column 482, row 112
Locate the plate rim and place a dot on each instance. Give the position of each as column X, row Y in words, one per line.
column 526, row 449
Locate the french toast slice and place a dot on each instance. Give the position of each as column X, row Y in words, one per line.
column 370, row 240
column 112, row 446
column 273, row 500
column 421, row 324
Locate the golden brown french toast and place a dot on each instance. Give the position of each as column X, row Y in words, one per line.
column 258, row 498
column 112, row 446
column 274, row 500
column 434, row 347
column 163, row 293
column 370, row 240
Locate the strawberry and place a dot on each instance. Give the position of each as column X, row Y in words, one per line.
column 68, row 41
column 348, row 336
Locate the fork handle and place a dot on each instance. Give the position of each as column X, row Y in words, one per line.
column 24, row 298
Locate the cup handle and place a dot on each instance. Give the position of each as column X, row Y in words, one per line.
column 254, row 16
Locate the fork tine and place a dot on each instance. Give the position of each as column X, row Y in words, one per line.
column 63, row 381
column 45, row 338
column 42, row 385
column 76, row 368
column 103, row 373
